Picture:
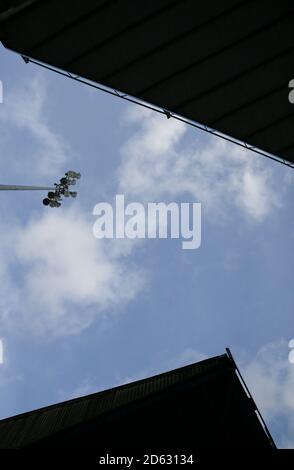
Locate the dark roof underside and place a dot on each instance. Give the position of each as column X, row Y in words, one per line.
column 226, row 64
column 203, row 403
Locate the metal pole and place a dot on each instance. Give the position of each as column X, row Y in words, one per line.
column 10, row 187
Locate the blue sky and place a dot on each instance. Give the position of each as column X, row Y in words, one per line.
column 77, row 314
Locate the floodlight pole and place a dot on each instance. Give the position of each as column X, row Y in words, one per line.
column 55, row 193
column 11, row 187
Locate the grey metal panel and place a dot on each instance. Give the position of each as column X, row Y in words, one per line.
column 218, row 69
column 221, row 105
column 46, row 18
column 156, row 35
column 66, row 27
column 282, row 130
column 206, row 44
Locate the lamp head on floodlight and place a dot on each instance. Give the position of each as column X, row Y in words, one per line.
column 54, row 198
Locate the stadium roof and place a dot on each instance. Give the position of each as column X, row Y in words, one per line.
column 226, row 65
column 207, row 396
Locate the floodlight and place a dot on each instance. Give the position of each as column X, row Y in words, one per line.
column 73, row 174
column 54, row 203
column 61, row 189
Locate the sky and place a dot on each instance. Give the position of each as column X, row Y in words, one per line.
column 78, row 314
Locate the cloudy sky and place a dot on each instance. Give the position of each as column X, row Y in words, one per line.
column 78, row 314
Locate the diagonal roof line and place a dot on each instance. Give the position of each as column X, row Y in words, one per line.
column 167, row 113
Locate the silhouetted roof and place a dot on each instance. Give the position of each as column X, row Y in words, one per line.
column 226, row 64
column 212, row 379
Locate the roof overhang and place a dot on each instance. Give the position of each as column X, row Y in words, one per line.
column 226, row 65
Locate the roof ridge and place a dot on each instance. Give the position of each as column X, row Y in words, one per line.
column 114, row 389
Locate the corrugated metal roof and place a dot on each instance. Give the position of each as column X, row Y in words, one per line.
column 224, row 64
column 26, row 428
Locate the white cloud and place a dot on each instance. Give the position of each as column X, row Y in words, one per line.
column 56, row 278
column 67, row 277
column 270, row 378
column 24, row 110
column 155, row 164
